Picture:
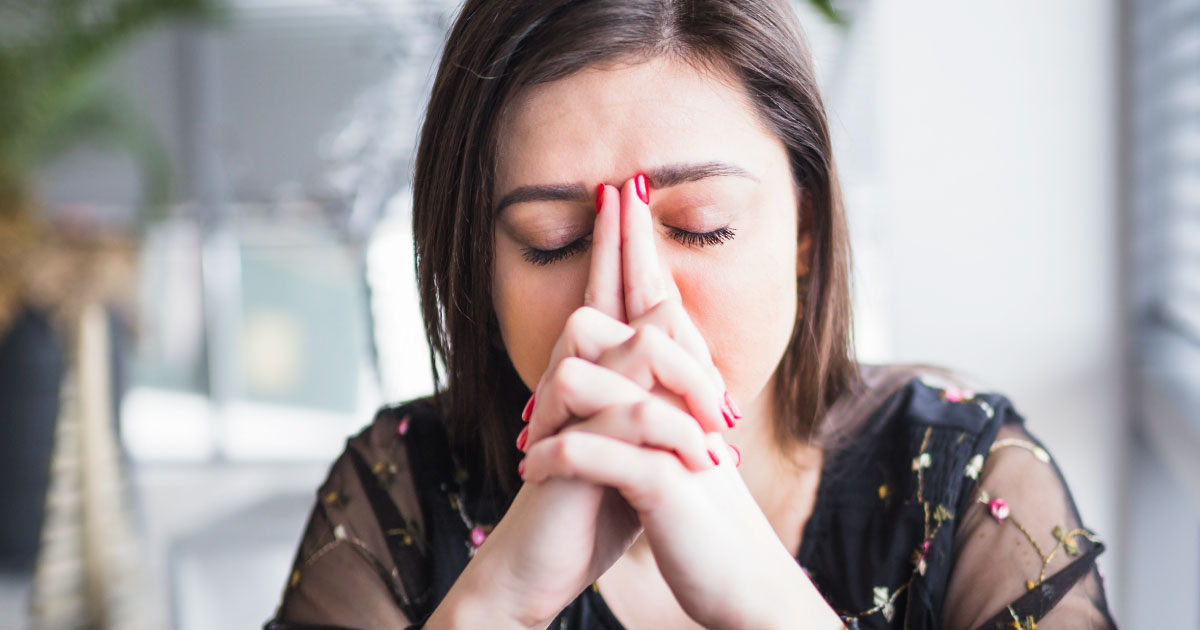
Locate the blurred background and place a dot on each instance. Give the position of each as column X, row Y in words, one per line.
column 206, row 277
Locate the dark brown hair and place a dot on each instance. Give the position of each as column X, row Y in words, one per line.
column 498, row 47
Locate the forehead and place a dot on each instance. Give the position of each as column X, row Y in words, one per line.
column 606, row 124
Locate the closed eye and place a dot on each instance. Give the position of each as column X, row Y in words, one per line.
column 703, row 239
column 547, row 256
column 691, row 239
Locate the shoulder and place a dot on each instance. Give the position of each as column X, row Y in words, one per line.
column 943, row 461
column 938, row 401
column 392, row 423
column 377, row 456
column 934, row 411
column 892, row 398
column 370, row 486
column 930, row 440
column 377, row 463
column 362, row 554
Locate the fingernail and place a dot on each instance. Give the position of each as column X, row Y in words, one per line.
column 599, row 197
column 713, row 457
column 738, row 453
column 521, row 437
column 726, row 412
column 521, row 467
column 733, row 408
column 528, row 408
column 643, row 192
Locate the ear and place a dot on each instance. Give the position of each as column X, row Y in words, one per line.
column 804, row 245
column 804, row 255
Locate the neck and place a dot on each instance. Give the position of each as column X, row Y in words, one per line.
column 766, row 461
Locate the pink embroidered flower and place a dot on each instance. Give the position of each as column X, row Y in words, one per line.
column 402, row 428
column 477, row 536
column 918, row 556
column 999, row 509
column 958, row 395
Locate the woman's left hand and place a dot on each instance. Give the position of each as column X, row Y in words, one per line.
column 711, row 541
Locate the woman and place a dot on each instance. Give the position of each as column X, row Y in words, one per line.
column 633, row 262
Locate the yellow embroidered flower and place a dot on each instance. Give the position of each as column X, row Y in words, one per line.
column 1023, row 624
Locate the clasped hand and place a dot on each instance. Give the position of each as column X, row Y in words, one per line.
column 631, row 400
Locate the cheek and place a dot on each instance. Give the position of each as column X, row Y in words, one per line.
column 745, row 307
column 532, row 306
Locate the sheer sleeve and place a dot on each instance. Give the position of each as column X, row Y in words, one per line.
column 1022, row 557
column 345, row 573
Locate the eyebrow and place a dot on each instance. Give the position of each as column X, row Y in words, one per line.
column 660, row 177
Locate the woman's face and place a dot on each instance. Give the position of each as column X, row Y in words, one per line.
column 658, row 117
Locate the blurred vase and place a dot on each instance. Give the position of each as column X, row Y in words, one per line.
column 31, row 370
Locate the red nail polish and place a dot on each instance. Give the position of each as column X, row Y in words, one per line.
column 524, row 435
column 713, row 457
column 599, row 197
column 528, row 411
column 738, row 452
column 643, row 192
column 733, row 408
column 521, row 467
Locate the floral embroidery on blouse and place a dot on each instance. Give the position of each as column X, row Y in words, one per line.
column 884, row 598
column 1002, row 513
column 936, row 516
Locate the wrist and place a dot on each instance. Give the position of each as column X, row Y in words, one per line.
column 477, row 599
column 808, row 607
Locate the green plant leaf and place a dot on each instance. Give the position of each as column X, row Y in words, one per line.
column 826, row 8
column 49, row 62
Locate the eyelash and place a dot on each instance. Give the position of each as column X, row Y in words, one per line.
column 703, row 239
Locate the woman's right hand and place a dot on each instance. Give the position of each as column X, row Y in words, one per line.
column 560, row 535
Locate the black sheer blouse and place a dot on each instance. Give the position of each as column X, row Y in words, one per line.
column 943, row 512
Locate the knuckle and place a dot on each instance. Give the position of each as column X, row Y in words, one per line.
column 642, row 415
column 577, row 322
column 641, row 339
column 582, row 315
column 648, row 336
column 565, row 450
column 567, row 375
